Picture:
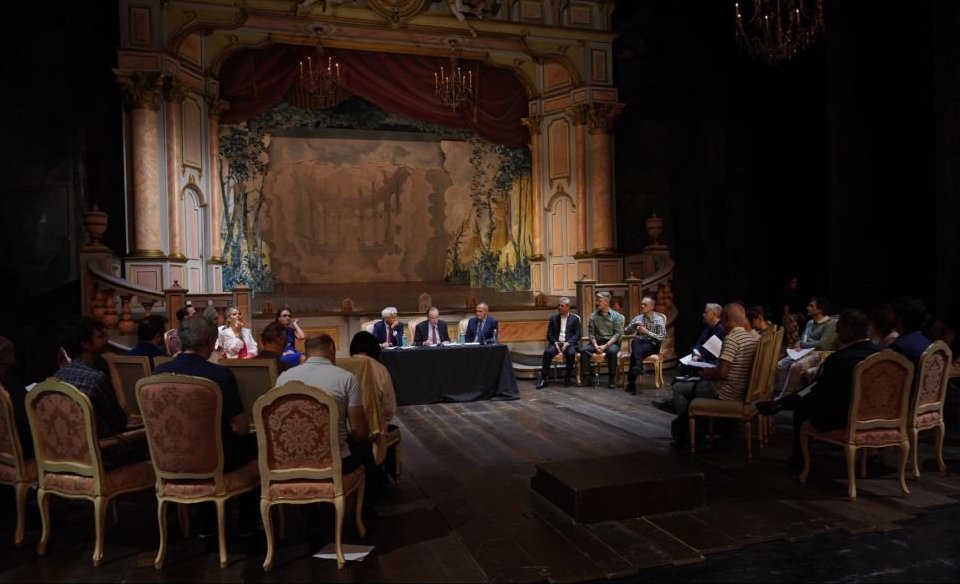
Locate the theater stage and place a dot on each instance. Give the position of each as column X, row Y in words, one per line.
column 464, row 512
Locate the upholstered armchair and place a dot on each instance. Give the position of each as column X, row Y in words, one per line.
column 182, row 418
column 759, row 388
column 14, row 469
column 69, row 460
column 368, row 326
column 928, row 397
column 623, row 361
column 299, row 457
column 412, row 327
column 878, row 415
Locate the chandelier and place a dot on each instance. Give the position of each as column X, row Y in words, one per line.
column 778, row 30
column 317, row 84
column 452, row 86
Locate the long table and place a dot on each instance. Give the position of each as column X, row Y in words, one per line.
column 456, row 373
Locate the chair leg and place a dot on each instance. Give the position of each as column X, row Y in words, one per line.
column 693, row 435
column 749, row 436
column 162, row 522
column 658, row 374
column 222, row 531
column 183, row 516
column 21, row 490
column 359, row 504
column 914, row 448
column 43, row 501
column 396, row 464
column 941, row 431
column 863, row 462
column 851, row 454
column 267, row 532
column 904, row 452
column 338, row 528
column 805, row 450
column 100, row 506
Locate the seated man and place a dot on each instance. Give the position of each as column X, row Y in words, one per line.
column 273, row 339
column 910, row 315
column 650, row 328
column 320, row 371
column 84, row 340
column 711, row 328
column 433, row 331
column 563, row 336
column 198, row 336
column 604, row 330
column 170, row 338
column 820, row 334
column 759, row 318
column 389, row 331
column 827, row 404
column 150, row 337
column 482, row 328
column 728, row 380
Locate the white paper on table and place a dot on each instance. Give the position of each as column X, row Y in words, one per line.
column 448, row 343
column 473, row 343
column 350, row 552
column 688, row 360
column 29, row 387
column 713, row 344
column 797, row 354
column 409, row 347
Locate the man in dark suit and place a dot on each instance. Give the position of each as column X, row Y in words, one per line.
column 481, row 327
column 389, row 331
column 827, row 405
column 432, row 331
column 563, row 336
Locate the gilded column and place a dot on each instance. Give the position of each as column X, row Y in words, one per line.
column 533, row 125
column 602, row 116
column 216, row 107
column 578, row 114
column 142, row 96
column 173, row 94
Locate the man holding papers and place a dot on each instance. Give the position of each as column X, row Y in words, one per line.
column 820, row 334
column 714, row 332
column 650, row 328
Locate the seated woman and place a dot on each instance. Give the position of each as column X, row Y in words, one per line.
column 236, row 341
column 290, row 355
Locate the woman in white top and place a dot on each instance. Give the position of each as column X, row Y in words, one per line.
column 236, row 341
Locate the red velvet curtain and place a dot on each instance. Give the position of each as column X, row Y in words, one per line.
column 254, row 80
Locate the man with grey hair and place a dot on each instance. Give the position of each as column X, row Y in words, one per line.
column 481, row 328
column 650, row 328
column 603, row 333
column 563, row 336
column 726, row 381
column 711, row 327
column 389, row 331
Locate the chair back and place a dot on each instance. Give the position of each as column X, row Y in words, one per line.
column 171, row 340
column 161, row 359
column 299, row 437
column 881, row 393
column 255, row 377
column 770, row 365
column 930, row 385
column 413, row 327
column 368, row 326
column 64, row 431
column 462, row 325
column 756, row 386
column 125, row 372
column 11, row 451
column 182, row 418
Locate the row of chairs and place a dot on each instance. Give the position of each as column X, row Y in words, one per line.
column 68, row 461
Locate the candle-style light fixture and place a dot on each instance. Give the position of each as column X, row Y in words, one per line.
column 317, row 82
column 777, row 30
column 453, row 85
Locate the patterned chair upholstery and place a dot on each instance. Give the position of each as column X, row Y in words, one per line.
column 69, row 460
column 181, row 415
column 299, row 457
column 14, row 470
column 928, row 397
column 878, row 415
column 759, row 388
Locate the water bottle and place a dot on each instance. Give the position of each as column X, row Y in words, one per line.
column 493, row 339
column 403, row 341
column 462, row 339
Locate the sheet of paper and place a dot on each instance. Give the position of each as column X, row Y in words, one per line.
column 797, row 354
column 688, row 360
column 29, row 387
column 350, row 552
column 713, row 344
column 806, row 389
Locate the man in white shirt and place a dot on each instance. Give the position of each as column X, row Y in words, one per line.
column 320, row 371
column 563, row 336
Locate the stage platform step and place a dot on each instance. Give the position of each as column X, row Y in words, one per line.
column 619, row 487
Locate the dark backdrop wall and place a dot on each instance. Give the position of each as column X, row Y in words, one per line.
column 835, row 167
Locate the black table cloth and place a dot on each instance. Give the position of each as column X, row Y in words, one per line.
column 425, row 375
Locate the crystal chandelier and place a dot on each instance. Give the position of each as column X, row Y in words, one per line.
column 778, row 30
column 453, row 87
column 317, row 85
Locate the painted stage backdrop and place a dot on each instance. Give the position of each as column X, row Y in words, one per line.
column 355, row 194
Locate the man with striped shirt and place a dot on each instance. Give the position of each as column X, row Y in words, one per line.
column 730, row 378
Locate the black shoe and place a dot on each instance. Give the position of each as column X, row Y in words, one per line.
column 768, row 408
column 541, row 384
column 664, row 405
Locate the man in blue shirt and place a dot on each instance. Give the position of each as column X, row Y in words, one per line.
column 150, row 337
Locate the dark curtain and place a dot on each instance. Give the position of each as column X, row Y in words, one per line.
column 254, row 80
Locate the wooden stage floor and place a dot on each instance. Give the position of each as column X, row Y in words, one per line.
column 464, row 511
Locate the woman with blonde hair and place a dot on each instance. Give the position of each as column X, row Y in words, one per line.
column 235, row 341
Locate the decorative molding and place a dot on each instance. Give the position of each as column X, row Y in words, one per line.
column 139, row 32
column 174, row 89
column 191, row 133
column 533, row 124
column 558, row 148
column 204, row 27
column 397, row 12
column 602, row 116
column 578, row 114
column 140, row 90
column 598, row 66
